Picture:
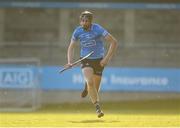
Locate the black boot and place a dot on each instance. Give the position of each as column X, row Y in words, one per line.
column 98, row 110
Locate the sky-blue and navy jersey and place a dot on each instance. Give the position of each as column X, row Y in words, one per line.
column 91, row 40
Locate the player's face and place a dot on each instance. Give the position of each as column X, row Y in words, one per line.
column 85, row 23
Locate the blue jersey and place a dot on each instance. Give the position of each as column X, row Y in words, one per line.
column 91, row 40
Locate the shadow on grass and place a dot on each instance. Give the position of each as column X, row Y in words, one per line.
column 93, row 121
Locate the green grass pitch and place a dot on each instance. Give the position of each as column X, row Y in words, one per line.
column 152, row 113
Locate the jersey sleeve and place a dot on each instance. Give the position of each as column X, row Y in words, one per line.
column 75, row 35
column 102, row 31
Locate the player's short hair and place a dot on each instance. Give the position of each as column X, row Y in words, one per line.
column 87, row 14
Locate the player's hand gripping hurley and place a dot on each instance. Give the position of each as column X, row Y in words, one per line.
column 76, row 62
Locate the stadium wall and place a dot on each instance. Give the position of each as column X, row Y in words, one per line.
column 146, row 37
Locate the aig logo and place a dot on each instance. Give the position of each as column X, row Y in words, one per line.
column 16, row 77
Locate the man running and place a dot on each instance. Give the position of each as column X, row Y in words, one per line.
column 90, row 36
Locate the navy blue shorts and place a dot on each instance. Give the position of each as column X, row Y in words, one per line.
column 94, row 64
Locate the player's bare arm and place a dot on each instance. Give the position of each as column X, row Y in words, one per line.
column 70, row 53
column 112, row 48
